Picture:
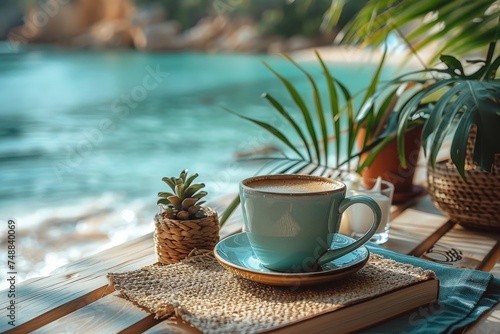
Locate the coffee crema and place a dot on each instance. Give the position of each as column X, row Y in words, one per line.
column 293, row 186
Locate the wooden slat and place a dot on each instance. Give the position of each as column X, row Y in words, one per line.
column 461, row 248
column 61, row 310
column 76, row 298
column 411, row 228
column 114, row 314
column 110, row 314
column 43, row 300
column 174, row 326
column 143, row 325
column 491, row 259
column 432, row 239
column 401, row 207
column 78, row 284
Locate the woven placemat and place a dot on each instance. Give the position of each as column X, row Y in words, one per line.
column 210, row 298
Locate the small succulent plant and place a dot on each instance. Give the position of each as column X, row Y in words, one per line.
column 183, row 203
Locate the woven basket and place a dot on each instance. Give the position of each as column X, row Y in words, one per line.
column 175, row 239
column 475, row 203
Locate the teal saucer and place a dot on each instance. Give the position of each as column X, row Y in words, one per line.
column 235, row 254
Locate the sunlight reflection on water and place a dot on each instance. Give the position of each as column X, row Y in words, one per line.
column 53, row 107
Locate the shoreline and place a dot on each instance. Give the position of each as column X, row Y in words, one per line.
column 347, row 54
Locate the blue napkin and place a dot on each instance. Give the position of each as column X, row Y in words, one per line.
column 464, row 295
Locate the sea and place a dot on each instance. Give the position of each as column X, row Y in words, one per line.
column 86, row 137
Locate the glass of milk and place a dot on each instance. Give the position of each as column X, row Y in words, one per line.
column 361, row 218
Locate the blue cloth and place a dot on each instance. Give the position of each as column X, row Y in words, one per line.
column 464, row 295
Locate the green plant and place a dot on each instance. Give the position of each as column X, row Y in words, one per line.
column 322, row 138
column 184, row 202
column 327, row 132
column 457, row 101
column 459, row 26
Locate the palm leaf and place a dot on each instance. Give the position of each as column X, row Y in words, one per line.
column 472, row 100
column 458, row 148
column 272, row 130
column 229, row 210
column 409, row 108
column 334, row 106
column 290, row 120
column 461, row 26
column 352, row 126
column 319, row 110
column 448, row 114
column 302, row 107
column 487, row 95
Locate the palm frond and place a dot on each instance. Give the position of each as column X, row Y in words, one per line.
column 461, row 26
column 319, row 110
column 302, row 107
column 467, row 100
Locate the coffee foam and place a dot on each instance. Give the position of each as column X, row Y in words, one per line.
column 293, row 186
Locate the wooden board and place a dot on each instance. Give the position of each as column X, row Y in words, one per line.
column 76, row 298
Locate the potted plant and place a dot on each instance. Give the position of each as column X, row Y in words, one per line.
column 315, row 140
column 322, row 138
column 383, row 160
column 183, row 224
column 466, row 106
column 328, row 135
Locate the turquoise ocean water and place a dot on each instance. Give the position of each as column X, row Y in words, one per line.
column 86, row 136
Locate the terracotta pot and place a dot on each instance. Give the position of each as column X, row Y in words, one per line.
column 387, row 165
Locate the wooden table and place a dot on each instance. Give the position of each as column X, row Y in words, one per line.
column 76, row 298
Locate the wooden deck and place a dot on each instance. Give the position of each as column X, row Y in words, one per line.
column 76, row 298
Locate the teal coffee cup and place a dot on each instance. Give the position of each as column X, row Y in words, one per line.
column 291, row 220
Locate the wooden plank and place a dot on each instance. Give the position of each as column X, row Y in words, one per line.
column 432, row 239
column 61, row 310
column 400, row 208
column 113, row 314
column 461, row 248
column 43, row 300
column 491, row 259
column 80, row 283
column 72, row 295
column 110, row 314
column 143, row 325
column 411, row 228
column 174, row 326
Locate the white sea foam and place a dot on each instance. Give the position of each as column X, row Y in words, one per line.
column 74, row 187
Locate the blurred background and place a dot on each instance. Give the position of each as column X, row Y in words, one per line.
column 101, row 99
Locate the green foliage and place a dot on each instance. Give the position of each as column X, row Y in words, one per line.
column 183, row 203
column 327, row 130
column 464, row 100
column 459, row 26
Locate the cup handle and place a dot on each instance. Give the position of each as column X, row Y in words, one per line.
column 333, row 254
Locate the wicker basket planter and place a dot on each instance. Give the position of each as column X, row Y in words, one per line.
column 175, row 239
column 475, row 203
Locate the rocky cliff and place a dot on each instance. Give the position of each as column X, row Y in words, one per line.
column 121, row 24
